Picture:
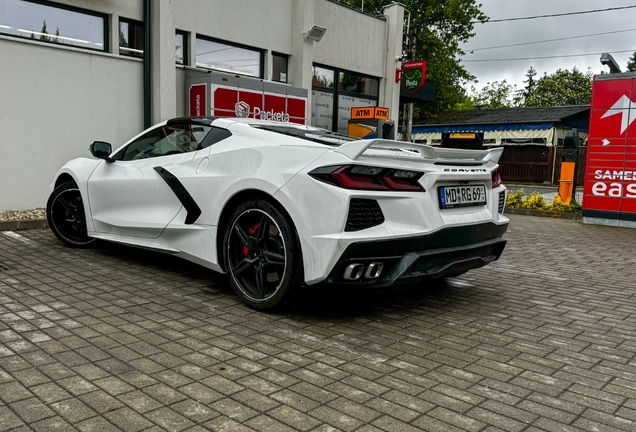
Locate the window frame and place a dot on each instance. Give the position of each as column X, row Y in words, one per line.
column 186, row 52
column 103, row 16
column 130, row 22
column 121, row 153
column 337, row 92
column 260, row 51
column 283, row 56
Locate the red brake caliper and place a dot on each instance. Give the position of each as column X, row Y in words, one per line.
column 251, row 231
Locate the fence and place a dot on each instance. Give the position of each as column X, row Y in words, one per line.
column 530, row 163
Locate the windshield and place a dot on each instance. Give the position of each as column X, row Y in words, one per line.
column 309, row 133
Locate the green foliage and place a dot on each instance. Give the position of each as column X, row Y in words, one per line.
column 498, row 94
column 515, row 199
column 530, row 82
column 442, row 26
column 631, row 63
column 535, row 201
column 563, row 87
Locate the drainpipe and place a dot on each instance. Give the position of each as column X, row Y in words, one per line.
column 147, row 66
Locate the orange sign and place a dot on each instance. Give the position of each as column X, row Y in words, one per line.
column 369, row 113
column 462, row 135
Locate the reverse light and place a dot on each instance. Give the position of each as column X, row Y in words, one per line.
column 496, row 179
column 362, row 177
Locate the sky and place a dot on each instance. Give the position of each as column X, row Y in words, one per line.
column 513, row 32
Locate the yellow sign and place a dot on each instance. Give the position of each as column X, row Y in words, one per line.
column 369, row 113
column 463, row 136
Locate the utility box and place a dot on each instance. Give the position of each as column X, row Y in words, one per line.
column 222, row 95
column 610, row 172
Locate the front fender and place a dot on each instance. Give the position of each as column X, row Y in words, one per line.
column 80, row 170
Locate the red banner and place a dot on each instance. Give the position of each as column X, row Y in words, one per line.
column 198, row 100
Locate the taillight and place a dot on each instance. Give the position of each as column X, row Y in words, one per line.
column 496, row 178
column 369, row 178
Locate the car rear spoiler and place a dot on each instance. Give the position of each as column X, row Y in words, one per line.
column 354, row 149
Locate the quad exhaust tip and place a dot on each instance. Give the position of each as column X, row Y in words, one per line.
column 358, row 270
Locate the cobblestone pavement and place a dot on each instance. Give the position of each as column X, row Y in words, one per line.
column 115, row 338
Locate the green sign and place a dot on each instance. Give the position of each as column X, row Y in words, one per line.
column 413, row 76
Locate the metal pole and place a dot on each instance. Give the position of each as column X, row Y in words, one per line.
column 408, row 131
column 147, row 65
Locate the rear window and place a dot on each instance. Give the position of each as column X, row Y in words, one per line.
column 321, row 136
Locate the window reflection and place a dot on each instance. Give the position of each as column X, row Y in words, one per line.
column 131, row 38
column 351, row 82
column 51, row 24
column 228, row 58
column 180, row 48
column 322, row 77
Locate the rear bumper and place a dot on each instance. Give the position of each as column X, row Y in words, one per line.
column 445, row 252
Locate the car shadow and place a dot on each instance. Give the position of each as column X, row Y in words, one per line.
column 322, row 301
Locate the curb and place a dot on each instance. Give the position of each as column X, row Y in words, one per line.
column 544, row 213
column 20, row 225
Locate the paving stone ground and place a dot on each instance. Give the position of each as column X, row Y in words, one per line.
column 116, row 338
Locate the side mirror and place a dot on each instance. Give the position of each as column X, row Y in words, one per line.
column 101, row 150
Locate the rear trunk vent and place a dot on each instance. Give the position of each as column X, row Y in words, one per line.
column 363, row 214
column 502, row 201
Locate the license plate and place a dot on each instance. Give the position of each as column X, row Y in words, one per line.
column 462, row 196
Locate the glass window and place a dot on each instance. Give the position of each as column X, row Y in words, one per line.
column 354, row 83
column 48, row 23
column 322, row 77
column 279, row 69
column 322, row 109
column 164, row 141
column 131, row 38
column 228, row 58
column 181, row 48
column 215, row 135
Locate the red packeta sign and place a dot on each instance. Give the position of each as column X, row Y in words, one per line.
column 198, row 99
column 228, row 101
column 610, row 173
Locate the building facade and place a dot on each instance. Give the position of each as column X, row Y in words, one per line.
column 75, row 71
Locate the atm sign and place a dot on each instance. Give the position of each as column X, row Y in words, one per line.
column 369, row 113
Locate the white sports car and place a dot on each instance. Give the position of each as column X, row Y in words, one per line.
column 280, row 206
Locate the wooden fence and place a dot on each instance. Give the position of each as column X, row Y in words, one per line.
column 531, row 163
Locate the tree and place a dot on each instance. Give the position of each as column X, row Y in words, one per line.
column 498, row 94
column 563, row 87
column 441, row 27
column 530, row 82
column 44, row 34
column 631, row 63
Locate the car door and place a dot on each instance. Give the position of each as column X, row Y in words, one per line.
column 131, row 196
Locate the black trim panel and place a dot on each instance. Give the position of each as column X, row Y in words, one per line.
column 194, row 211
column 442, row 253
column 445, row 238
column 601, row 214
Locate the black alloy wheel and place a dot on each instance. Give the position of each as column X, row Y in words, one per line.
column 260, row 255
column 66, row 217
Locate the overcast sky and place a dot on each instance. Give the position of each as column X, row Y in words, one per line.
column 512, row 32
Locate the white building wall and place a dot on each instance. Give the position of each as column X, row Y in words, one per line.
column 55, row 102
column 58, row 99
column 353, row 41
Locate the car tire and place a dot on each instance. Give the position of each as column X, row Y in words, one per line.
column 66, row 216
column 261, row 255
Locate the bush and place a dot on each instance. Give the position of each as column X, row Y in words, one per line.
column 515, row 199
column 535, row 201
